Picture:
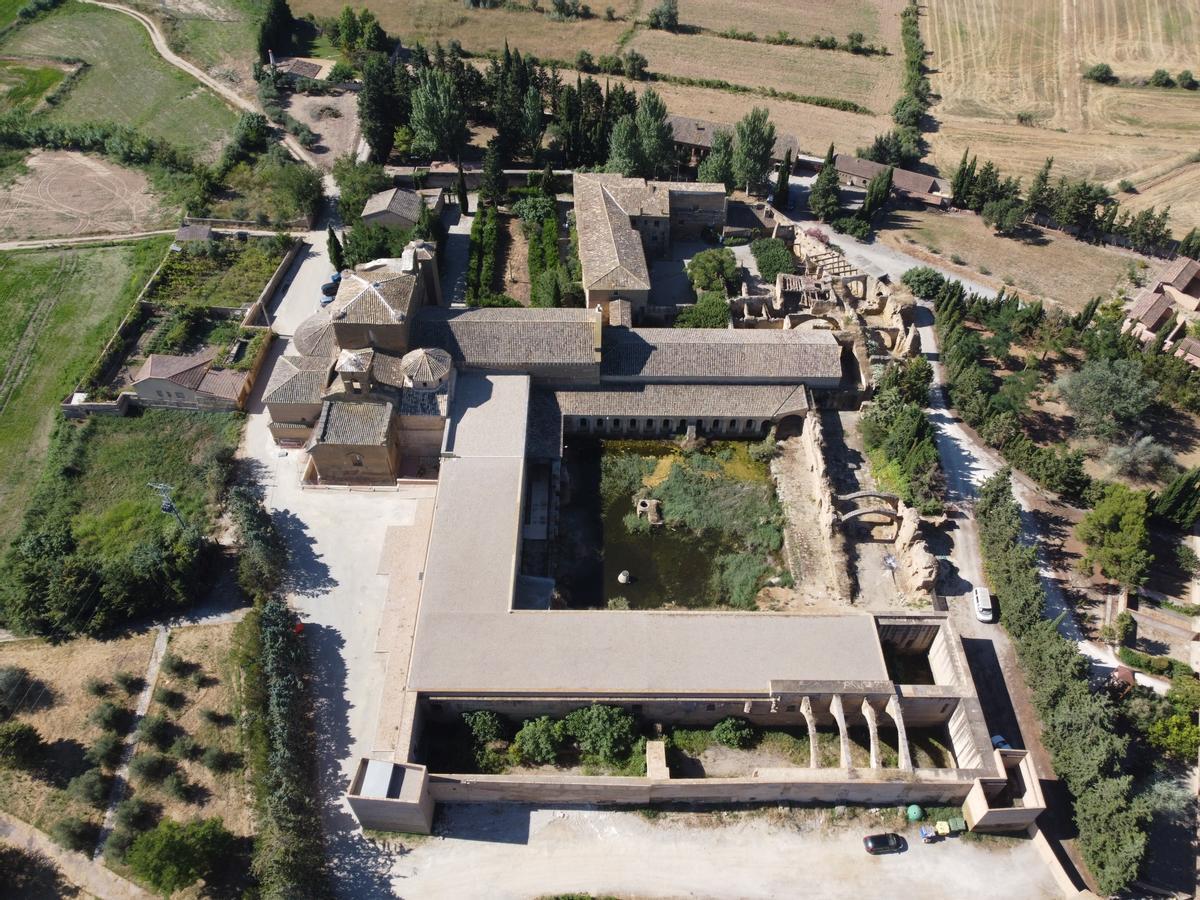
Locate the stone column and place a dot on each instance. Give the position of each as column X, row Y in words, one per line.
column 806, row 710
column 868, row 712
column 835, row 707
column 893, row 710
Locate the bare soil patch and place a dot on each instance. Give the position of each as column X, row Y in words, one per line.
column 334, row 120
column 66, row 194
column 514, row 267
column 56, row 702
column 1049, row 265
column 209, row 684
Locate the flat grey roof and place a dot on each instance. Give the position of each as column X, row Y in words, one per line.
column 469, row 639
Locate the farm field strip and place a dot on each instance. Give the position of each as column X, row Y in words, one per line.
column 127, row 82
column 765, row 17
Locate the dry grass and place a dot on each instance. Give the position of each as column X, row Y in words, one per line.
column 803, row 20
column 61, row 717
column 1057, row 268
column 1177, row 187
column 482, row 30
column 227, row 795
column 871, row 81
column 995, row 60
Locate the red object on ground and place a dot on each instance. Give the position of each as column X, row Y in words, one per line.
column 298, row 628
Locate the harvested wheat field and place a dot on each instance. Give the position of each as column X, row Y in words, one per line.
column 485, row 30
column 993, row 60
column 54, row 699
column 65, row 194
column 206, row 682
column 802, row 20
column 1051, row 266
column 872, row 81
column 1178, row 188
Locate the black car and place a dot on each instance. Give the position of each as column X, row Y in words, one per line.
column 878, row 844
column 329, row 289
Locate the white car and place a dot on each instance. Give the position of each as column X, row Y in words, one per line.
column 982, row 600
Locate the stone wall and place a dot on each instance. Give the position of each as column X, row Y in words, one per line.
column 812, row 440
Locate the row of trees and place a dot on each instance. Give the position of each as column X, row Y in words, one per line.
column 990, row 405
column 1079, row 726
column 1079, row 206
column 900, row 437
column 903, row 146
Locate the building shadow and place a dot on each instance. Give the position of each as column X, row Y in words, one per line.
column 358, row 867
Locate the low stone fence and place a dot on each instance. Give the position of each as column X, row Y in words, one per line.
column 259, row 308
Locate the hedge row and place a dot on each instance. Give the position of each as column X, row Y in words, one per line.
column 1079, row 726
column 481, row 264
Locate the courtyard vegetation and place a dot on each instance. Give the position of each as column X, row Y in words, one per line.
column 225, row 273
column 721, row 493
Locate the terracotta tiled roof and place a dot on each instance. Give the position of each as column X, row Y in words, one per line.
column 353, row 424
column 314, row 337
column 379, row 297
column 1180, row 273
column 185, row 371
column 742, row 354
column 224, row 383
column 699, row 133
column 297, row 379
column 1151, row 308
column 692, row 401
column 509, row 338
column 426, row 365
column 397, row 201
column 902, row 179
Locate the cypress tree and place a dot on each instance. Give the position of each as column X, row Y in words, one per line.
column 823, row 199
column 958, row 190
column 336, row 257
column 1180, row 500
column 491, row 188
column 781, row 181
column 460, row 187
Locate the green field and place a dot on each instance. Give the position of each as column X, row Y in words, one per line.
column 23, row 86
column 122, row 455
column 8, row 11
column 61, row 307
column 127, row 82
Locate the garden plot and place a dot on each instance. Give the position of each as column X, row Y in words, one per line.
column 65, row 194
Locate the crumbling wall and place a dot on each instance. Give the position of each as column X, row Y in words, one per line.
column 812, row 441
column 917, row 566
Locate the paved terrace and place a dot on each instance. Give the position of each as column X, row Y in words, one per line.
column 468, row 639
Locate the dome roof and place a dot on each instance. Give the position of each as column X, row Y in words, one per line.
column 426, row 366
column 314, row 336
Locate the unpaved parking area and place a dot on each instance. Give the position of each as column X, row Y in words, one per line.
column 511, row 851
column 72, row 194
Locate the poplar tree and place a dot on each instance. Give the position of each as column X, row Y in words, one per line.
column 823, row 199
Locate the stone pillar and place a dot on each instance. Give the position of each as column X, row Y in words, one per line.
column 806, row 710
column 835, row 707
column 868, row 712
column 893, row 710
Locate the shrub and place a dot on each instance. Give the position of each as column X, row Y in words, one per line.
column 605, row 732
column 664, row 16
column 713, row 270
column 734, row 732
column 151, row 768
column 106, row 750
column 91, row 787
column 111, row 717
column 172, row 856
column 340, row 72
column 174, row 664
column 217, row 760
column 97, row 687
column 584, row 61
column 1162, row 78
column 13, row 687
column 215, row 718
column 74, row 834
column 710, row 311
column 1187, row 81
column 156, row 731
column 176, row 787
column 1101, row 73
column 185, row 747
column 117, row 846
column 957, row 260
column 925, row 282
column 136, row 814
column 1125, row 186
column 538, row 740
column 169, row 697
column 853, row 226
column 128, row 682
column 20, row 745
column 485, row 726
column 773, row 257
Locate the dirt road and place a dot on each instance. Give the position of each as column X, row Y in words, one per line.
column 512, row 851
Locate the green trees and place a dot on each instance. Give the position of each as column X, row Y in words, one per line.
column 337, row 259
column 1005, row 216
column 492, row 189
column 925, row 282
column 439, row 116
column 1116, row 535
column 772, row 256
column 713, row 270
column 1101, row 73
column 910, row 379
column 532, row 125
column 717, row 167
column 605, row 732
column 1190, row 245
column 21, row 746
column 538, row 741
column 171, row 856
column 711, row 310
column 900, row 433
column 1179, row 502
column 664, row 16
column 262, row 554
column 879, row 189
column 823, row 200
column 624, row 149
column 275, row 30
column 1107, row 396
column 655, row 138
column 782, row 177
column 753, row 148
column 377, row 106
column 1161, row 78
column 736, row 733
column 356, row 183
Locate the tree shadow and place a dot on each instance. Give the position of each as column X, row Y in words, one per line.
column 33, row 876
column 307, row 574
column 63, row 759
column 358, row 866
